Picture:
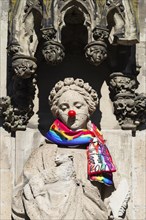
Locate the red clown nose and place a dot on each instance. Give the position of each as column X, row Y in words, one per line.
column 71, row 113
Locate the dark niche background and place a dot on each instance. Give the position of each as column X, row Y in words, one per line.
column 74, row 65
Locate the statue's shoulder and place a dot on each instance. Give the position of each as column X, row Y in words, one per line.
column 39, row 159
column 46, row 145
column 45, row 149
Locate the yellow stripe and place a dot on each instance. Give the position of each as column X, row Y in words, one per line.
column 71, row 138
column 47, row 3
column 134, row 4
column 101, row 2
column 12, row 6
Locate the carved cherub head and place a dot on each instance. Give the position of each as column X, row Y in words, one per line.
column 73, row 101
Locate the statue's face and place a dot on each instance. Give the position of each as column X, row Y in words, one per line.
column 72, row 100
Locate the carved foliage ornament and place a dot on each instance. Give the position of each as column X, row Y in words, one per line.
column 48, row 33
column 14, row 118
column 24, row 66
column 96, row 52
column 120, row 83
column 18, row 109
column 129, row 106
column 53, row 52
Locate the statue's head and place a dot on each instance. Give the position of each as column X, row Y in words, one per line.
column 73, row 101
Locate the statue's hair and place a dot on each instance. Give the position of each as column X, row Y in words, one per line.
column 89, row 94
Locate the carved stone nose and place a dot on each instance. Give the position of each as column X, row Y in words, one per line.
column 71, row 113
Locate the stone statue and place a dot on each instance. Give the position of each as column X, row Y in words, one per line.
column 65, row 177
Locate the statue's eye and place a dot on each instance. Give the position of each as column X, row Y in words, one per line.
column 63, row 107
column 78, row 105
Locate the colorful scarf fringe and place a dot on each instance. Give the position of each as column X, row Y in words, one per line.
column 100, row 164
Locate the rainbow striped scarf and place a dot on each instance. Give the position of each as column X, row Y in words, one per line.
column 100, row 164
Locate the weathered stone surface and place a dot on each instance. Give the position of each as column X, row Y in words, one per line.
column 7, row 146
column 108, row 120
column 5, row 194
column 122, row 146
column 119, row 143
column 5, row 140
column 138, row 189
column 3, row 44
column 130, row 158
column 26, row 142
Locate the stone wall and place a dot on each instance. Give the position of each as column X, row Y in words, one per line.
column 128, row 152
column 6, row 141
column 130, row 158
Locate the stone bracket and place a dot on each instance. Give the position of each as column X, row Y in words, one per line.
column 129, row 106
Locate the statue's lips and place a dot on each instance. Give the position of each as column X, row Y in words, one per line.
column 72, row 120
column 75, row 122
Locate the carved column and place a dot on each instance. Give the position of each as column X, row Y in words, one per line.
column 23, row 38
column 17, row 109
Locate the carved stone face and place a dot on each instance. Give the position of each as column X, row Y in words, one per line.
column 53, row 54
column 96, row 54
column 72, row 100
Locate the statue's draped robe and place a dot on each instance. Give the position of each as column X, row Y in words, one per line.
column 55, row 186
